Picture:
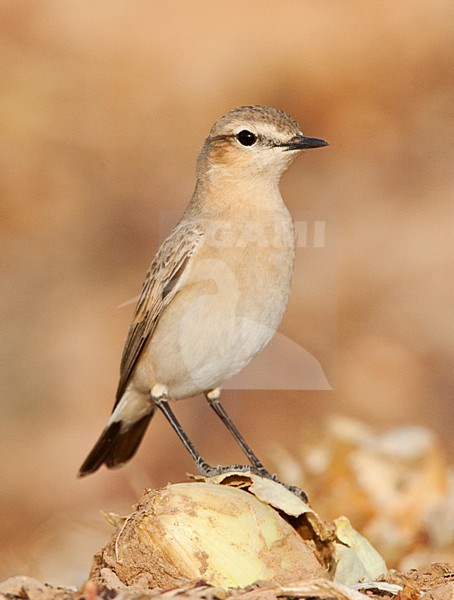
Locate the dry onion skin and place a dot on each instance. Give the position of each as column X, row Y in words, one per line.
column 203, row 531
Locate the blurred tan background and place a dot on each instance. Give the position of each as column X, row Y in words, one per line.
column 103, row 107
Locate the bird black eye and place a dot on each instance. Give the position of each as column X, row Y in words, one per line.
column 247, row 138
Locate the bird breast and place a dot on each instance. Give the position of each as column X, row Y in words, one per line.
column 229, row 306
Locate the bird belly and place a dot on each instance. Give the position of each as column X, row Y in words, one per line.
column 225, row 314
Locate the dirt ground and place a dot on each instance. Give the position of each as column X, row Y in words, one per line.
column 434, row 583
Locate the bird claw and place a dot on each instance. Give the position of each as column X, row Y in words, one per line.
column 291, row 488
column 208, row 471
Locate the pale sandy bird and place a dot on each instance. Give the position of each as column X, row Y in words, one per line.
column 216, row 290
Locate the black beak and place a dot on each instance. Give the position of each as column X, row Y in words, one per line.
column 302, row 142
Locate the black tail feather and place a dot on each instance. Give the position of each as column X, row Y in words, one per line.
column 115, row 447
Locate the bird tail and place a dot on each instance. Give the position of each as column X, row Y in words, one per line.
column 122, row 435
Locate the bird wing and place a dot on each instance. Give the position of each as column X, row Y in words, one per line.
column 164, row 278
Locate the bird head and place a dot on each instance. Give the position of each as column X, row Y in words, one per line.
column 253, row 141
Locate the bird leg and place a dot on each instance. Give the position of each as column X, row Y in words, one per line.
column 203, row 467
column 159, row 397
column 213, row 400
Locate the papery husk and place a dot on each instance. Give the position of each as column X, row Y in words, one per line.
column 220, row 534
column 231, row 531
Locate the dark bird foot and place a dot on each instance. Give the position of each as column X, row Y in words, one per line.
column 208, row 471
